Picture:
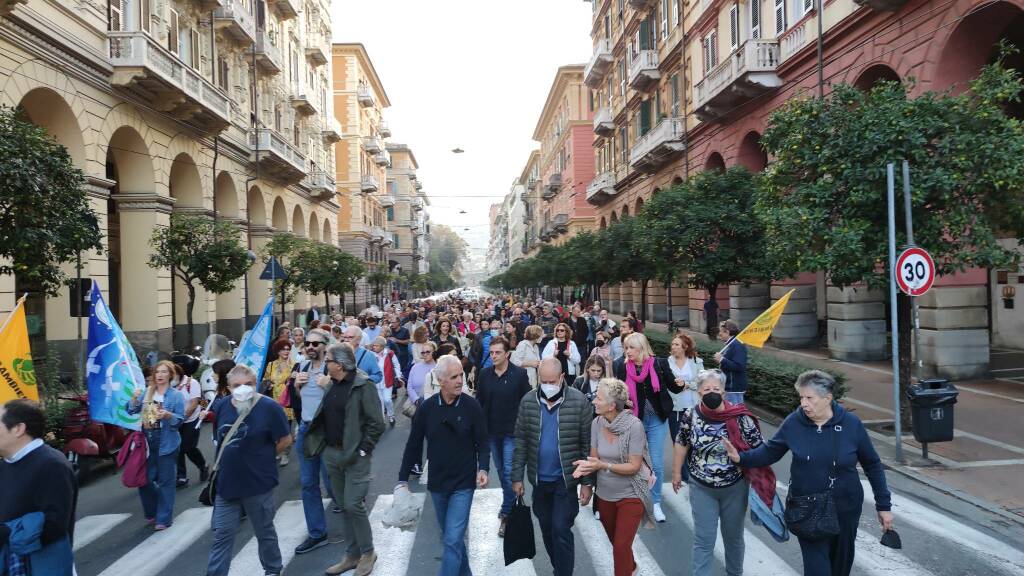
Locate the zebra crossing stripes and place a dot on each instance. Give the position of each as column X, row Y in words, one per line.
column 159, row 550
column 485, row 549
column 594, row 538
column 290, row 525
column 88, row 529
column 393, row 545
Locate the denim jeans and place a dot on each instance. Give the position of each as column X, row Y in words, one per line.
column 227, row 514
column 452, row 509
column 501, row 449
column 158, row 494
column 657, row 431
column 555, row 508
column 310, row 470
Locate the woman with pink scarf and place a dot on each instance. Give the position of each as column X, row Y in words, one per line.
column 649, row 381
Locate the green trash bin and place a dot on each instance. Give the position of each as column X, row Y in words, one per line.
column 931, row 410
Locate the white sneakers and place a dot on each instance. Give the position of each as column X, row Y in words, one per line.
column 659, row 515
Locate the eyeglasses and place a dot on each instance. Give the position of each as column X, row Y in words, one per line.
column 425, row 352
column 314, row 343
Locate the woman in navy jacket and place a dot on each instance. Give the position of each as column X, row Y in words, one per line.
column 808, row 433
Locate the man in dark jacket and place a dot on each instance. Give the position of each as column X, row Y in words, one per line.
column 552, row 432
column 580, row 330
column 733, row 362
column 499, row 388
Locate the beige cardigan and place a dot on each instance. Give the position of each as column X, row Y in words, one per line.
column 524, row 352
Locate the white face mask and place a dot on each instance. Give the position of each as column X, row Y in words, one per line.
column 550, row 390
column 243, row 393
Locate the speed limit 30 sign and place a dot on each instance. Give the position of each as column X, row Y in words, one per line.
column 915, row 271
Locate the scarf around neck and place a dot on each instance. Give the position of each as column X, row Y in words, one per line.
column 639, row 481
column 633, row 380
column 762, row 480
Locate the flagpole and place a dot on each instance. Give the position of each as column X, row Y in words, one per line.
column 11, row 315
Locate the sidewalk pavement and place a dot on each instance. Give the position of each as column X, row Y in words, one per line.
column 983, row 465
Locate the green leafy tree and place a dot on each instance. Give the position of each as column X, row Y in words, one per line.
column 447, row 251
column 284, row 246
column 45, row 217
column 627, row 258
column 379, row 279
column 705, row 226
column 198, row 250
column 824, row 196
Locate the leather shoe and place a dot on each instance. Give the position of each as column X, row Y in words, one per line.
column 347, row 563
column 366, row 562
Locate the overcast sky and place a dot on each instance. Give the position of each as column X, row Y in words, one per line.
column 471, row 74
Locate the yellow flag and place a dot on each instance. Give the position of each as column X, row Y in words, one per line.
column 757, row 332
column 17, row 377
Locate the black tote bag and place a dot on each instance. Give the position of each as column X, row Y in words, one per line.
column 519, row 542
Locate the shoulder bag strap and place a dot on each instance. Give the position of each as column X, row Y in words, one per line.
column 832, row 473
column 227, row 437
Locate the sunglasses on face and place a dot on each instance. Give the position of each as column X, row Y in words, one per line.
column 314, row 343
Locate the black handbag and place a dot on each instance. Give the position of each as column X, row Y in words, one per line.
column 209, row 493
column 814, row 516
column 519, row 543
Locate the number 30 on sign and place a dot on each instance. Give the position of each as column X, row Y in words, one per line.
column 915, row 271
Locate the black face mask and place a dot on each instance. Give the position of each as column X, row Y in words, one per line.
column 600, row 342
column 712, row 400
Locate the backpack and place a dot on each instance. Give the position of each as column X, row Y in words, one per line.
column 132, row 457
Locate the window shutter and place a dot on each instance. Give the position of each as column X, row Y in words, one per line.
column 706, row 53
column 755, row 19
column 115, row 15
column 675, row 95
column 734, row 26
column 808, row 6
column 172, row 32
column 780, row 16
column 145, row 14
column 714, row 48
column 195, row 48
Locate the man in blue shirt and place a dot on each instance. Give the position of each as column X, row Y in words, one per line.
column 365, row 360
column 733, row 362
column 247, row 471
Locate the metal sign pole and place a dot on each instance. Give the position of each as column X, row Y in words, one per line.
column 891, row 197
column 910, row 242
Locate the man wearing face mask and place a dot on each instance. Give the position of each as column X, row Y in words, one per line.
column 247, row 471
column 552, row 432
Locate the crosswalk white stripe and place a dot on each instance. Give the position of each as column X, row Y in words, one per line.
column 486, row 550
column 758, row 558
column 88, row 529
column 995, row 551
column 289, row 522
column 392, row 545
column 600, row 548
column 158, row 551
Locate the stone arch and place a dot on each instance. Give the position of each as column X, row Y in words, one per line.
column 327, row 235
column 48, row 110
column 119, row 118
column 603, row 224
column 873, row 75
column 677, row 180
column 639, row 204
column 314, row 227
column 614, row 218
column 956, row 54
column 185, row 184
column 625, row 211
column 256, row 207
column 714, row 162
column 298, row 221
column 752, row 155
column 279, row 215
column 225, row 196
column 129, row 162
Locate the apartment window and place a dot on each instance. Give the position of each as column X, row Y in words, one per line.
column 195, row 48
column 780, row 16
column 675, row 13
column 734, row 26
column 623, row 144
column 173, row 32
column 755, row 19
column 607, row 25
column 391, row 216
column 644, row 125
column 807, row 6
column 611, row 90
column 710, row 51
column 664, row 18
column 295, row 134
column 622, row 78
column 145, row 10
column 116, row 10
column 223, row 73
column 657, row 105
column 674, row 88
column 394, row 240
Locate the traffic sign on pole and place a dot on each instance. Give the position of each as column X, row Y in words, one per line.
column 915, row 271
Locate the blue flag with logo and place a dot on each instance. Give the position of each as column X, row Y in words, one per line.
column 252, row 352
column 112, row 370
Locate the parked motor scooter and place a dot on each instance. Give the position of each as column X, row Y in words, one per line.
column 86, row 442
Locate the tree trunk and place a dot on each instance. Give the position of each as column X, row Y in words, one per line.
column 904, row 316
column 668, row 295
column 643, row 301
column 327, row 303
column 282, row 301
column 597, row 292
column 188, row 317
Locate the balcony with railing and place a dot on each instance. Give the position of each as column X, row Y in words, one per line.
column 417, row 204
column 236, row 21
column 743, row 75
column 794, row 39
column 369, row 183
column 364, row 95
column 599, row 63
column 286, row 9
column 658, row 145
column 315, row 53
column 604, row 124
column 643, row 69
column 560, row 224
column 322, row 185
column 418, row 185
column 641, row 4
column 268, row 56
column 377, row 235
column 602, row 188
column 373, row 145
column 145, row 68
column 382, row 158
column 415, row 224
column 387, row 199
column 277, row 157
column 303, row 103
column 553, row 186
column 384, row 129
column 332, row 131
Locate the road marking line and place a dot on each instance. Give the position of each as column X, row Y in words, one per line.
column 596, row 541
column 88, row 529
column 393, row 545
column 288, row 520
column 160, row 550
column 486, row 551
column 758, row 558
column 987, row 463
column 997, row 551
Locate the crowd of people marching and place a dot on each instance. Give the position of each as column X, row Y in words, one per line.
column 566, row 398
